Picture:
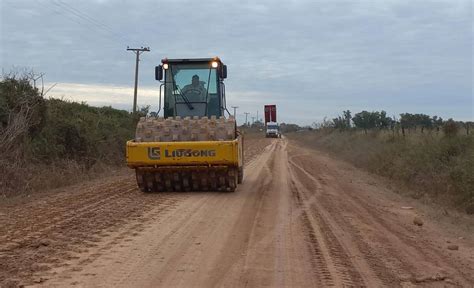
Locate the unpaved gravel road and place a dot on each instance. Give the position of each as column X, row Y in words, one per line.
column 300, row 219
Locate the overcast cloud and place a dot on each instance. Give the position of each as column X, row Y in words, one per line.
column 311, row 58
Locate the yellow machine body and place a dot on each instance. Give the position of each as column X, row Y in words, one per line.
column 188, row 153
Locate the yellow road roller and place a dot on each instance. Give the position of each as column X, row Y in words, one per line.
column 193, row 146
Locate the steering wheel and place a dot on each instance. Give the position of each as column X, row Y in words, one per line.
column 193, row 95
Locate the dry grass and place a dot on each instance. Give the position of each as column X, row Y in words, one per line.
column 20, row 179
column 252, row 132
column 435, row 167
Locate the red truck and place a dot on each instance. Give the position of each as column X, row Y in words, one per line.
column 272, row 129
column 270, row 113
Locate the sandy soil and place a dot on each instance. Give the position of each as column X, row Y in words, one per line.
column 300, row 219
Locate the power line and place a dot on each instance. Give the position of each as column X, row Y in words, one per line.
column 90, row 22
column 89, row 18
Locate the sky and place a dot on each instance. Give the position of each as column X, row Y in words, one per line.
column 313, row 59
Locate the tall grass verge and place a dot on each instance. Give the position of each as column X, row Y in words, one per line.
column 436, row 167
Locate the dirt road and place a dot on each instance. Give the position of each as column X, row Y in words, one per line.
column 300, row 219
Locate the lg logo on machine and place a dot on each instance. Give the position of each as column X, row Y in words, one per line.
column 154, row 153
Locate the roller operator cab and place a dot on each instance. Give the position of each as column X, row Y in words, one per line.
column 193, row 87
column 193, row 146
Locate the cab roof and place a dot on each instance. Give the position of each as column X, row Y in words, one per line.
column 192, row 60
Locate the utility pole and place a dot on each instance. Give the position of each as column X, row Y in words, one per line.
column 235, row 108
column 137, row 51
column 246, row 114
column 257, row 115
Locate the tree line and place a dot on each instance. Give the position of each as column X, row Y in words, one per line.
column 407, row 122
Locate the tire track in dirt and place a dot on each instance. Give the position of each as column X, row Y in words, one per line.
column 320, row 207
column 170, row 251
column 387, row 247
column 62, row 215
column 122, row 272
column 427, row 259
column 50, row 212
column 331, row 262
column 321, row 270
column 331, row 266
column 39, row 247
column 246, row 222
column 273, row 253
column 58, row 230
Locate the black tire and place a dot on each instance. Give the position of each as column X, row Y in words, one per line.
column 240, row 178
column 148, row 183
column 141, row 181
column 232, row 179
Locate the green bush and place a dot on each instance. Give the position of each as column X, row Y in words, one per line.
column 40, row 137
column 18, row 96
column 83, row 133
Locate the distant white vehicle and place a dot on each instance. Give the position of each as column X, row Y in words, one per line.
column 272, row 130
